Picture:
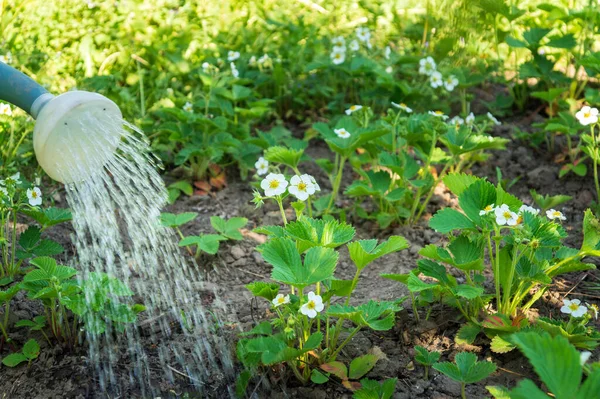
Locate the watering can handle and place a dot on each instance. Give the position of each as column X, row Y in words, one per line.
column 22, row 91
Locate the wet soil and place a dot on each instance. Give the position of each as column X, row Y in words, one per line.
column 62, row 373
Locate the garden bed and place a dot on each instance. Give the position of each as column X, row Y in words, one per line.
column 60, row 373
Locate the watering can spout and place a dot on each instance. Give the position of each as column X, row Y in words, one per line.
column 75, row 133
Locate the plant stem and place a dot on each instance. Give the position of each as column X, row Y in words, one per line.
column 280, row 203
column 595, row 154
column 496, row 265
column 462, row 390
column 336, row 184
column 414, row 306
column 352, row 334
column 426, row 377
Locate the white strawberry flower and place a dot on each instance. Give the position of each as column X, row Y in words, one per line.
column 470, row 119
column 530, row 209
column 504, row 216
column 274, row 184
column 438, row 114
column 342, row 133
column 353, row 108
column 280, row 299
column 427, row 66
column 188, row 107
column 338, row 41
column 35, row 196
column 457, row 121
column 435, row 80
column 354, row 45
column 205, row 67
column 265, row 61
column 252, row 61
column 313, row 306
column 554, row 214
column 234, row 70
column 363, row 34
column 301, row 187
column 389, row 69
column 5, row 109
column 3, row 191
column 450, row 82
column 486, row 210
column 403, row 107
column 233, row 55
column 387, row 52
column 586, row 115
column 584, row 357
column 314, row 182
column 337, row 57
column 262, row 166
column 12, row 180
column 574, row 308
column 493, row 119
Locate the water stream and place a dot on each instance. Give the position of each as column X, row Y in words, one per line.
column 117, row 231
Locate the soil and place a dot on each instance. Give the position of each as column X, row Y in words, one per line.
column 61, row 373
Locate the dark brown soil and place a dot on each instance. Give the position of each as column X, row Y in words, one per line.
column 59, row 373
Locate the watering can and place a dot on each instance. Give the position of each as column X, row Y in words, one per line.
column 75, row 133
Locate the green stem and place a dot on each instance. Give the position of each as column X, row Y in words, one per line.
column 336, row 184
column 13, row 243
column 426, row 377
column 595, row 161
column 462, row 390
column 496, row 266
column 431, row 191
column 414, row 306
column 280, row 203
column 352, row 334
column 353, row 286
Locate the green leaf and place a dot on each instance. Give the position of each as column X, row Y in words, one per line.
column 426, row 358
column 526, row 389
column 500, row 345
column 361, row 366
column 310, row 232
column 467, row 291
column 14, row 359
column 263, row 328
column 281, row 253
column 448, row 219
column 31, row 349
column 336, row 368
column 230, row 228
column 364, row 252
column 467, row 369
column 467, row 333
column 172, row 220
column 512, row 42
column 182, row 186
column 208, row 243
column 498, row 392
column 591, row 234
column 286, row 156
column 30, row 238
column 264, row 290
column 317, row 377
column 566, row 41
column 476, row 197
column 534, row 35
column 379, row 316
column 49, row 217
column 458, row 182
column 554, row 360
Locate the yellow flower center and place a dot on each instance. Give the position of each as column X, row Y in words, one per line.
column 507, row 215
column 302, row 186
column 439, row 113
column 520, row 219
column 352, row 108
column 403, row 105
column 587, row 114
column 573, row 306
column 311, row 305
column 281, row 299
column 556, row 214
column 488, row 208
column 34, row 194
column 274, row 184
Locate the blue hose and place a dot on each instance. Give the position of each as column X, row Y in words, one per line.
column 18, row 88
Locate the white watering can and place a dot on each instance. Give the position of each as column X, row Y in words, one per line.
column 72, row 138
